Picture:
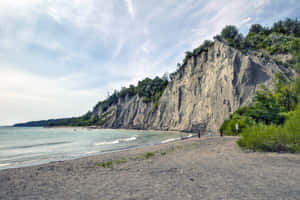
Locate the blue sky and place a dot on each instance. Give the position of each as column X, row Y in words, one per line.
column 58, row 58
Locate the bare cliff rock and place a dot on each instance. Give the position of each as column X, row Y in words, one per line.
column 206, row 89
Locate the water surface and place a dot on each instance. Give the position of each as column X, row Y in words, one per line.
column 27, row 146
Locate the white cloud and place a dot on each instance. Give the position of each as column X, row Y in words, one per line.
column 130, row 8
column 245, row 21
column 25, row 96
column 56, row 52
column 260, row 3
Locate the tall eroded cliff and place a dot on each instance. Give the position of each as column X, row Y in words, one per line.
column 206, row 89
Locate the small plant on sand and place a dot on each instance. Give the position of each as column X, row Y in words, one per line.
column 148, row 155
column 108, row 164
column 163, row 153
column 123, row 160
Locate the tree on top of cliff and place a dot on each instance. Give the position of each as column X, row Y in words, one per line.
column 257, row 28
column 229, row 32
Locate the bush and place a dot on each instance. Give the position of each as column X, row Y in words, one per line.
column 203, row 47
column 108, row 164
column 274, row 138
column 229, row 32
column 148, row 155
column 256, row 28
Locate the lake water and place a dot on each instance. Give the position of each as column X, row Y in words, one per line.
column 27, row 146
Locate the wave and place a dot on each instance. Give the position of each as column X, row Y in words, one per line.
column 107, row 143
column 116, row 141
column 92, row 152
column 5, row 164
column 35, row 145
column 129, row 139
column 170, row 140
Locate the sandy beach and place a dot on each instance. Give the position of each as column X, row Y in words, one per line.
column 206, row 168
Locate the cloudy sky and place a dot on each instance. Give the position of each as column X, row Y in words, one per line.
column 58, row 58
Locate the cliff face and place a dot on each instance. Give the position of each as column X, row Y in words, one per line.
column 202, row 94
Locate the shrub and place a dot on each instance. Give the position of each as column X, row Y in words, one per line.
column 123, row 160
column 108, row 164
column 203, row 47
column 229, row 32
column 148, row 155
column 256, row 28
column 274, row 138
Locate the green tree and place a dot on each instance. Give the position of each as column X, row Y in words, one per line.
column 256, row 28
column 229, row 32
column 265, row 108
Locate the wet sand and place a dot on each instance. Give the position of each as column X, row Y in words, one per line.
column 206, row 168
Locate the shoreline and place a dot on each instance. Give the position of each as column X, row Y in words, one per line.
column 208, row 168
column 126, row 129
column 95, row 153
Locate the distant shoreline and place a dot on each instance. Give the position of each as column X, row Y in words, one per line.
column 96, row 128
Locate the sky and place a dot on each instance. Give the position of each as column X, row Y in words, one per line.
column 58, row 58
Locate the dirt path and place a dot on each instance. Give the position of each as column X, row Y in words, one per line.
column 206, row 168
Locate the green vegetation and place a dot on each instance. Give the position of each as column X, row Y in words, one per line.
column 87, row 119
column 272, row 137
column 149, row 154
column 150, row 89
column 104, row 117
column 202, row 48
column 272, row 122
column 110, row 163
column 267, row 107
column 282, row 38
column 123, row 160
column 163, row 153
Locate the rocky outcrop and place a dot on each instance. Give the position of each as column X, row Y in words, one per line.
column 206, row 89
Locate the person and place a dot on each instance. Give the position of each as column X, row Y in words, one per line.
column 199, row 134
column 221, row 133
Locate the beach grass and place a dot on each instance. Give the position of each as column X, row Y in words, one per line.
column 149, row 154
column 110, row 163
column 107, row 164
column 123, row 160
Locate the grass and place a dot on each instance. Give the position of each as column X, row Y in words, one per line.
column 123, row 160
column 273, row 138
column 110, row 163
column 270, row 138
column 149, row 154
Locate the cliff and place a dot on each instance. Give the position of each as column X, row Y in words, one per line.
column 206, row 89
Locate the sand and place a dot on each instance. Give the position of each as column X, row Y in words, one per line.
column 206, row 168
